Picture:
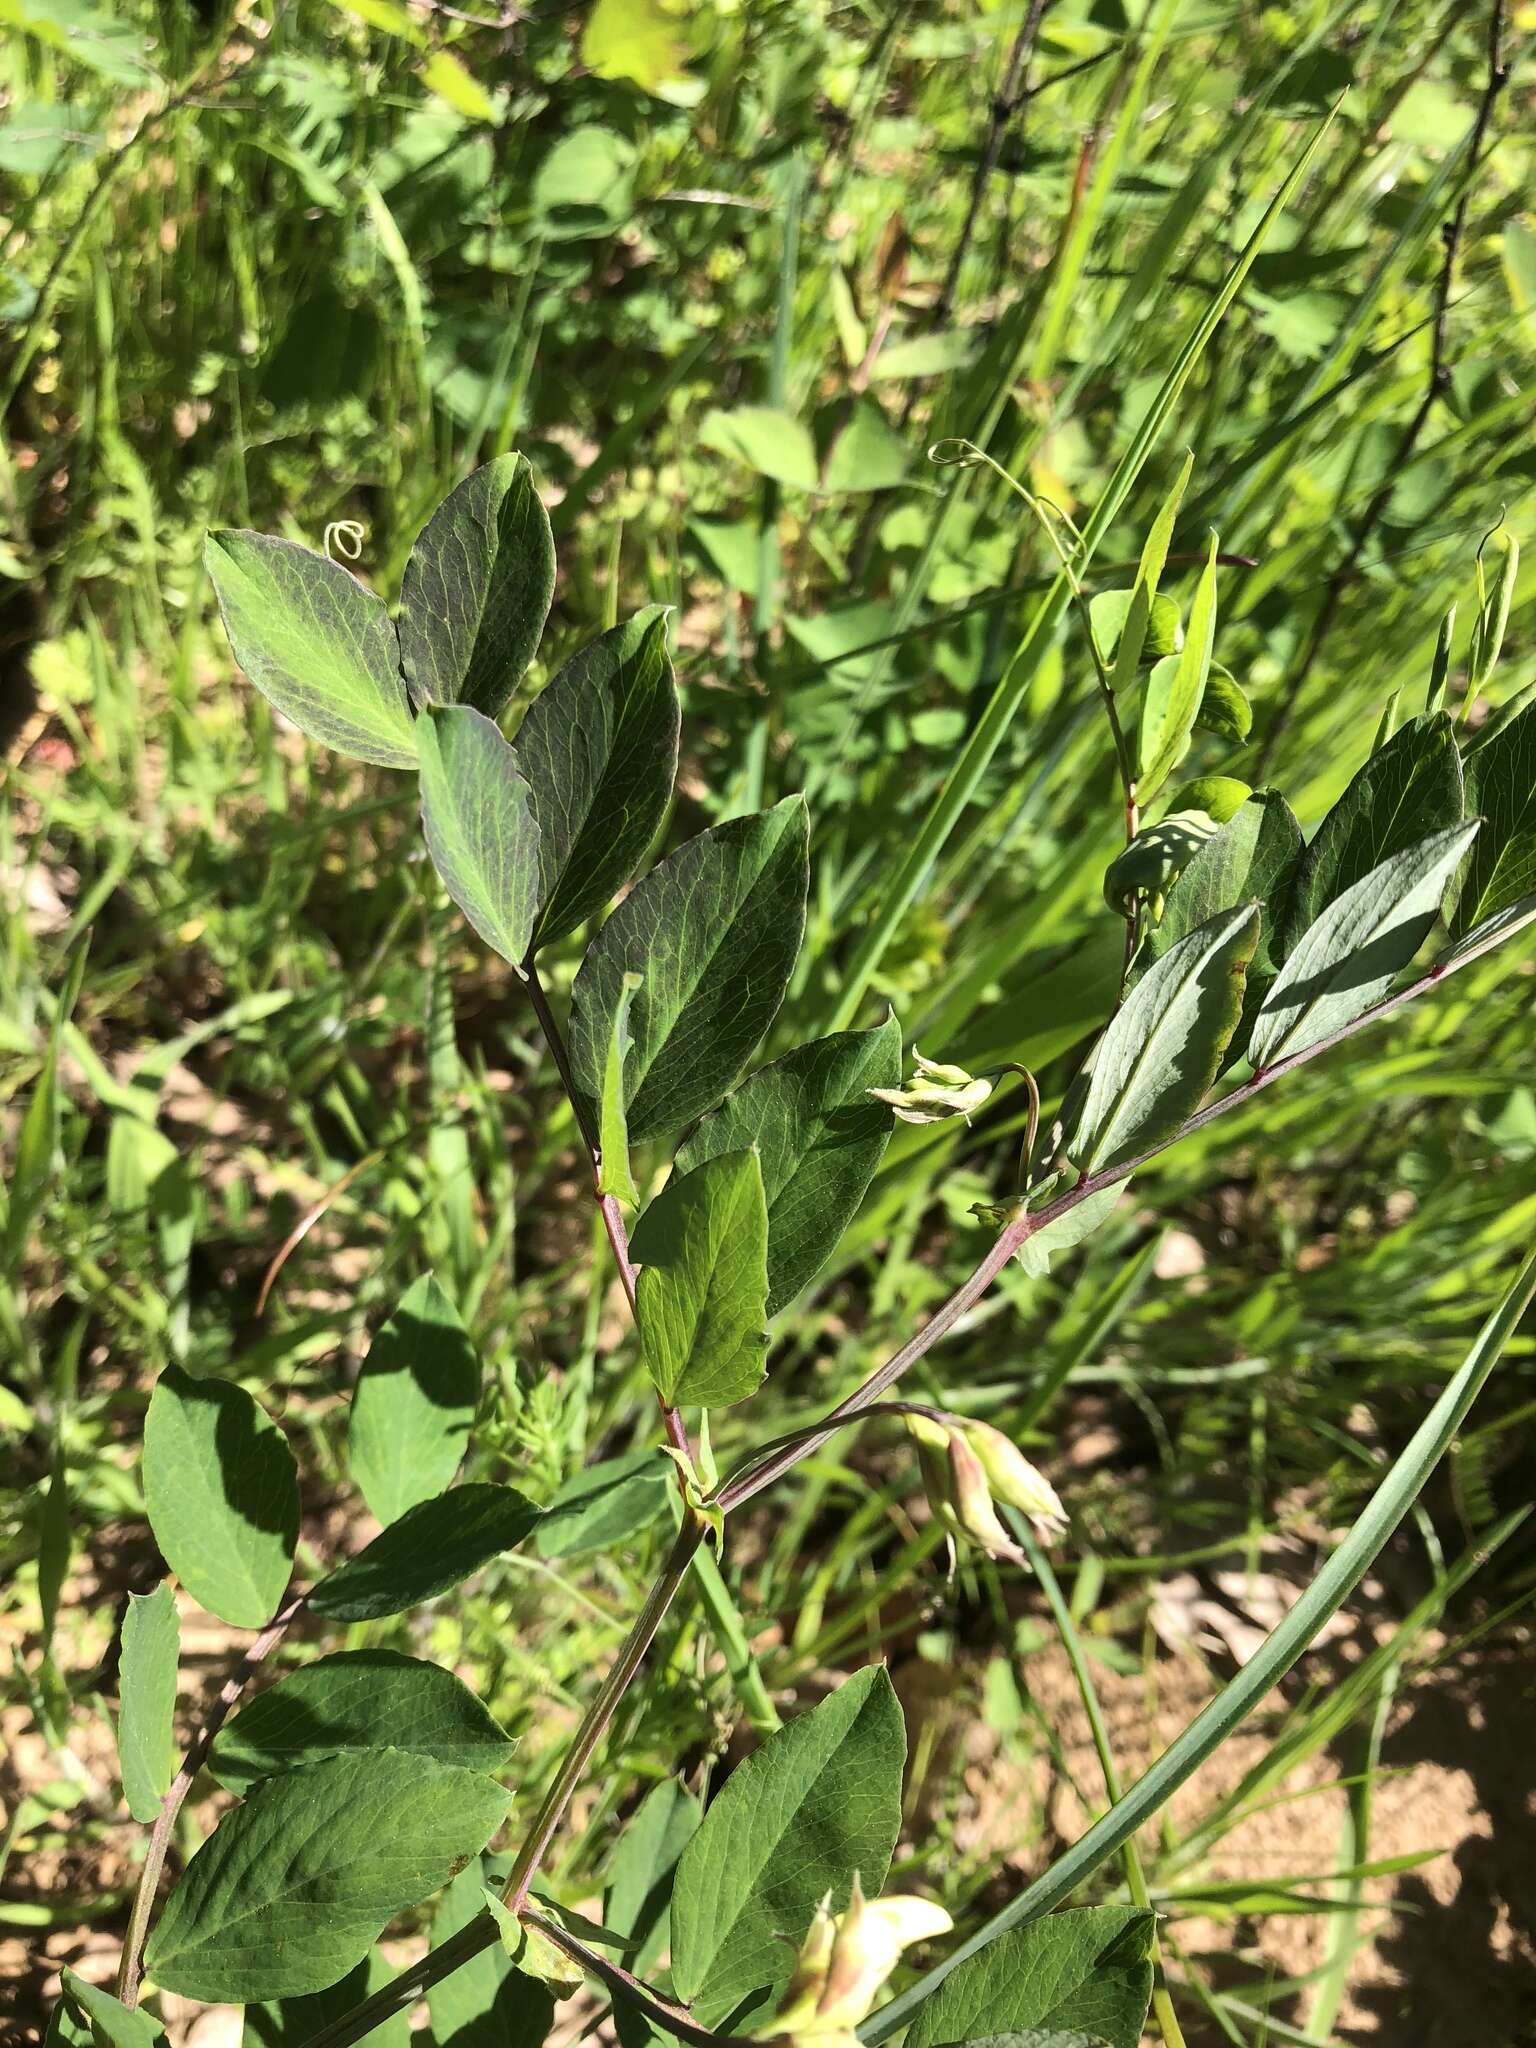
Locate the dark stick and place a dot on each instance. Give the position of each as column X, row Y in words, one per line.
column 1438, row 384
column 1011, row 96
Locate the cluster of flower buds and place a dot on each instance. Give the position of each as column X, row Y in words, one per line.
column 843, row 1963
column 967, row 1468
column 935, row 1092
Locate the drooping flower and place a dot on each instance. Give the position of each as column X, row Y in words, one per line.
column 843, row 1964
column 935, row 1092
column 967, row 1468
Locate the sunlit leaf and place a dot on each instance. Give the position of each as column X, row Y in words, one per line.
column 819, row 1801
column 223, row 1495
column 702, row 1297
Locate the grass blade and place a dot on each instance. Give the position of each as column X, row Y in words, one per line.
column 962, row 782
column 1323, row 1598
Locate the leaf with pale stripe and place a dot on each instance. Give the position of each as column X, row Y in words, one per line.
column 714, row 930
column 145, row 1739
column 477, row 590
column 316, row 643
column 599, row 750
column 1409, row 788
column 1349, row 958
column 478, row 815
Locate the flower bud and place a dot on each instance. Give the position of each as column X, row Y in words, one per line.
column 1015, row 1482
column 974, row 1508
column 967, row 1468
column 808, row 1980
column 934, row 1093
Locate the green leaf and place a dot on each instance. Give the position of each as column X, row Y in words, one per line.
column 292, row 2022
column 926, row 355
column 294, row 1885
column 1501, row 788
column 817, row 1803
column 68, row 2027
column 605, row 1506
column 1493, row 931
column 1065, row 1232
column 1410, row 788
column 1175, row 689
column 1350, row 957
column 414, row 1405
column 450, row 78
column 775, row 444
column 701, row 1299
column 1123, row 620
column 93, row 37
column 481, row 834
column 477, row 590
column 109, row 2022
column 599, row 750
column 533, row 1953
column 585, row 185
column 222, row 1493
column 146, row 1743
column 317, row 644
column 432, row 1547
column 868, row 454
column 1040, row 2037
column 1089, row 1970
column 714, row 930
column 358, row 1699
column 38, row 135
column 484, row 2003
column 1250, row 860
column 1224, row 709
column 636, row 39
column 819, row 1138
column 639, row 1876
column 1163, row 1047
column 614, row 1176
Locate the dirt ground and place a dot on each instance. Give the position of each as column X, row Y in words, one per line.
column 1449, row 1956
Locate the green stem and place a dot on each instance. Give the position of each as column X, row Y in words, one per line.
column 599, row 1714
column 1130, row 1855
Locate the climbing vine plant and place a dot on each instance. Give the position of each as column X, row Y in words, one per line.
column 365, row 1783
